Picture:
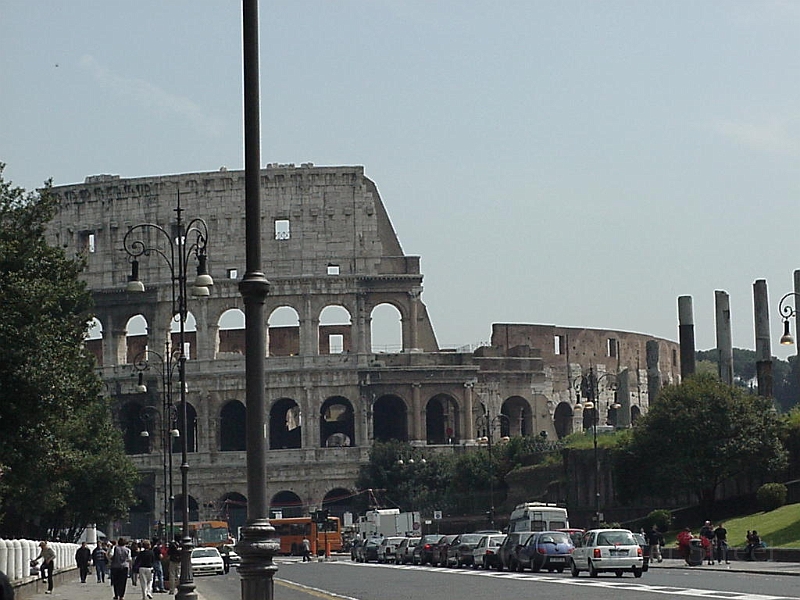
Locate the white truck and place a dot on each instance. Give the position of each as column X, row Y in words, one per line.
column 538, row 516
column 389, row 522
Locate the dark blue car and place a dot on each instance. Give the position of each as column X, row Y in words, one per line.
column 549, row 550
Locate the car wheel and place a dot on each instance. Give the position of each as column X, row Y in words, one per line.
column 485, row 564
column 618, row 572
column 536, row 567
column 573, row 568
column 637, row 572
column 560, row 570
column 592, row 571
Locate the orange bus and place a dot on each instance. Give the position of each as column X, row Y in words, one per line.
column 292, row 531
column 207, row 533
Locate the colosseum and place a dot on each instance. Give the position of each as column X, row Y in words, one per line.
column 337, row 271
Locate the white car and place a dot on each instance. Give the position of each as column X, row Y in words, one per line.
column 387, row 549
column 602, row 550
column 207, row 560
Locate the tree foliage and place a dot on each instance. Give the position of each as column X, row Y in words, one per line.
column 698, row 434
column 62, row 463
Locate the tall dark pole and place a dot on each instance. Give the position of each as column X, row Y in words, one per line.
column 257, row 545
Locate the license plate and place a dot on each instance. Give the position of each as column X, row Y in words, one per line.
column 615, row 552
column 557, row 560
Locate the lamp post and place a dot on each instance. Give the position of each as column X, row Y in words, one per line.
column 486, row 423
column 787, row 312
column 169, row 415
column 590, row 389
column 188, row 241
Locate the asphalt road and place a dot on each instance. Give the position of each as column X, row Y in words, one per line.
column 355, row 581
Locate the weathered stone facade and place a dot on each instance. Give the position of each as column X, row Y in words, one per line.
column 327, row 243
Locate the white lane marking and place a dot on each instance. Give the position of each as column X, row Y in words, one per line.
column 614, row 584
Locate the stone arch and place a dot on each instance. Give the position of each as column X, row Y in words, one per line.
column 230, row 332
column 288, row 503
column 636, row 413
column 390, row 419
column 140, row 516
column 194, row 510
column 94, row 340
column 386, row 328
column 335, row 327
column 562, row 419
column 191, row 430
column 232, row 424
column 442, row 420
column 234, row 510
column 136, row 331
column 519, row 417
column 338, row 501
column 189, row 334
column 283, row 332
column 285, row 425
column 130, row 421
column 337, row 423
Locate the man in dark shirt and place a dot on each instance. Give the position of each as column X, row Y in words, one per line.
column 721, row 544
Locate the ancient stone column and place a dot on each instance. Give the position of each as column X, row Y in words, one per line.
column 653, row 373
column 722, row 303
column 686, row 335
column 763, row 346
column 623, row 399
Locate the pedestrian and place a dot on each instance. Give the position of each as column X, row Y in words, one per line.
column 684, row 539
column 306, row 550
column 120, row 563
column 753, row 542
column 707, row 538
column 100, row 561
column 721, row 544
column 174, row 554
column 48, row 556
column 6, row 589
column 144, row 562
column 655, row 540
column 83, row 556
column 158, row 571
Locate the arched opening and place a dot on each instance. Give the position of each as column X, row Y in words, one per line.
column 285, row 425
column 334, row 330
column 234, row 511
column 231, row 332
column 94, row 340
column 337, row 423
column 636, row 412
column 132, row 425
column 283, row 332
column 562, row 419
column 442, row 420
column 135, row 337
column 232, row 421
column 140, row 516
column 386, row 328
column 519, row 416
column 591, row 416
column 194, row 510
column 338, row 501
column 191, row 431
column 288, row 504
column 189, row 335
column 389, row 419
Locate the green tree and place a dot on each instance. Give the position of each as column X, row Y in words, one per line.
column 698, row 434
column 62, row 463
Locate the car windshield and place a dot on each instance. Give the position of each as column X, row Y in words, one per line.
column 494, row 542
column 471, row 538
column 616, row 538
column 430, row 539
column 204, row 552
column 554, row 538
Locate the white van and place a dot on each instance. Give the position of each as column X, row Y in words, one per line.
column 538, row 516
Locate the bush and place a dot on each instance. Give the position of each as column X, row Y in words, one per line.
column 661, row 518
column 771, row 496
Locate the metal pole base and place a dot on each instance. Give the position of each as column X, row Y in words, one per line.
column 257, row 546
column 186, row 587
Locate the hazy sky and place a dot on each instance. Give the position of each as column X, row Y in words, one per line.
column 573, row 163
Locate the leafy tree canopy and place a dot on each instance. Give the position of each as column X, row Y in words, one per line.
column 62, row 463
column 696, row 435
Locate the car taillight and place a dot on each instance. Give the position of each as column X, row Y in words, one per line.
column 541, row 550
column 490, row 552
column 426, row 547
column 639, row 551
column 596, row 553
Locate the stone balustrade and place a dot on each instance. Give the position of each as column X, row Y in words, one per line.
column 16, row 555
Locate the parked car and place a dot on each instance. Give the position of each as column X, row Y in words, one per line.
column 423, row 552
column 405, row 551
column 576, row 535
column 604, row 550
column 459, row 553
column 207, row 560
column 485, row 553
column 440, row 549
column 642, row 540
column 550, row 550
column 387, row 548
column 367, row 550
column 508, row 550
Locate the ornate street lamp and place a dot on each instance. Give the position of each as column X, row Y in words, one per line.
column 486, row 423
column 188, row 242
column 590, row 388
column 787, row 312
column 166, row 366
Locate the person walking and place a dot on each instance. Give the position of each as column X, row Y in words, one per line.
column 655, row 540
column 6, row 589
column 83, row 557
column 145, row 561
column 721, row 544
column 158, row 571
column 174, row 554
column 306, row 550
column 120, row 563
column 707, row 537
column 48, row 556
column 100, row 561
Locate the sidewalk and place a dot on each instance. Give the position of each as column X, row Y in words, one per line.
column 735, row 566
column 69, row 587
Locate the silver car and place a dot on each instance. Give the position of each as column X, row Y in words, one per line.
column 603, row 550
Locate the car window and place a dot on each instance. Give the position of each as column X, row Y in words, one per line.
column 495, row 542
column 615, row 538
